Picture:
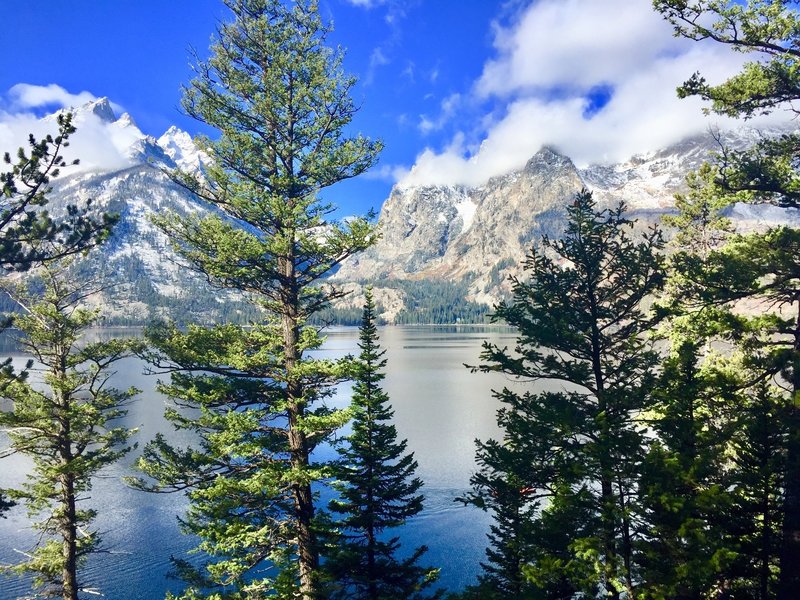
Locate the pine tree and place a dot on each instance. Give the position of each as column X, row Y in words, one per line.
column 758, row 451
column 766, row 172
column 65, row 424
column 517, row 479
column 573, row 457
column 760, row 268
column 685, row 484
column 29, row 236
column 378, row 490
column 278, row 98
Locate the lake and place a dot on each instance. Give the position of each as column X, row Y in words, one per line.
column 440, row 407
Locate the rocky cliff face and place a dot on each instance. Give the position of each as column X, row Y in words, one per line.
column 457, row 232
column 482, row 234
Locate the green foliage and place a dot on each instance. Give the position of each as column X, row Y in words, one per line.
column 685, row 481
column 758, row 448
column 280, row 102
column 278, row 97
column 759, row 270
column 427, row 302
column 378, row 490
column 431, row 301
column 28, row 233
column 699, row 223
column 29, row 236
column 770, row 28
column 65, row 424
column 562, row 483
column 241, row 485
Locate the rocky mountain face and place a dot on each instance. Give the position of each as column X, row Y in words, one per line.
column 481, row 235
column 450, row 242
column 452, row 233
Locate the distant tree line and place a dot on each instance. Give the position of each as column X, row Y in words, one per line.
column 426, row 302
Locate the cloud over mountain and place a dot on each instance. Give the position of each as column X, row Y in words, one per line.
column 101, row 141
column 595, row 79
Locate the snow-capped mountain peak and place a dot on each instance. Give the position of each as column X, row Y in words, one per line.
column 147, row 150
column 100, row 108
column 126, row 120
column 179, row 146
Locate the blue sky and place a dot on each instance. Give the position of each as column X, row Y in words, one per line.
column 459, row 90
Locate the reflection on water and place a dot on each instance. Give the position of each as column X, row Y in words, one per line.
column 439, row 407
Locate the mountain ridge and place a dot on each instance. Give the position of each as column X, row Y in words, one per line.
column 469, row 238
column 511, row 211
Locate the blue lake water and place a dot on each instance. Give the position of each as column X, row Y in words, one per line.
column 440, row 407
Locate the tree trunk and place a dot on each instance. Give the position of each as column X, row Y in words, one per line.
column 371, row 563
column 69, row 524
column 69, row 532
column 789, row 585
column 766, row 541
column 789, row 588
column 607, row 500
column 304, row 507
column 308, row 555
column 371, row 538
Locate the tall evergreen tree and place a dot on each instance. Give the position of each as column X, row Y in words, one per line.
column 766, row 172
column 711, row 486
column 29, row 236
column 758, row 451
column 65, row 424
column 759, row 268
column 280, row 102
column 378, row 490
column 518, row 478
column 573, row 456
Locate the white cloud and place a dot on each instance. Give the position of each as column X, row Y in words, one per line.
column 448, row 109
column 386, row 173
column 378, row 58
column 546, row 66
column 25, row 95
column 366, row 3
column 97, row 143
column 576, row 44
column 408, row 72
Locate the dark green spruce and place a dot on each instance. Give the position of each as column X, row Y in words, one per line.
column 562, row 483
column 767, row 172
column 378, row 491
column 686, row 505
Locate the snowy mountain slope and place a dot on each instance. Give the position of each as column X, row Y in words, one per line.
column 146, row 281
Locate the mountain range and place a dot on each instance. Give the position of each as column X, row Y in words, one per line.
column 454, row 242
